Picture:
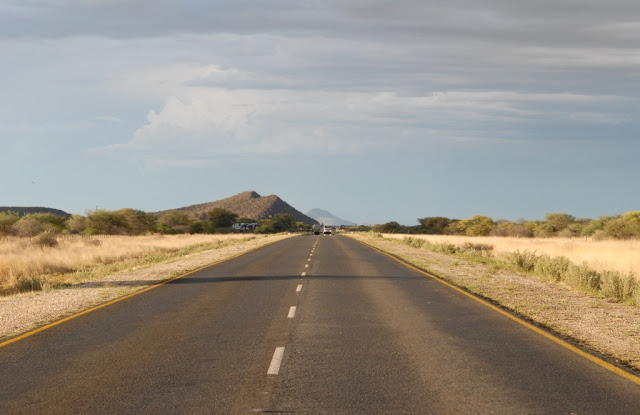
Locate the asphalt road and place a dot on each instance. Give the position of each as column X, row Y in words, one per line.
column 367, row 335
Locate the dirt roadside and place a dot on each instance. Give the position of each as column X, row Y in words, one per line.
column 23, row 312
column 600, row 325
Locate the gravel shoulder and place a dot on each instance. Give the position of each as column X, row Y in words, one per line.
column 23, row 312
column 600, row 325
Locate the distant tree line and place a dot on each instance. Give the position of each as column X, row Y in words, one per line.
column 624, row 226
column 136, row 222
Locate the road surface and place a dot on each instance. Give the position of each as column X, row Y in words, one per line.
column 307, row 325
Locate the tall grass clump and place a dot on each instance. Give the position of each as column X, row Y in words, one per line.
column 522, row 260
column 552, row 268
column 618, row 286
column 583, row 277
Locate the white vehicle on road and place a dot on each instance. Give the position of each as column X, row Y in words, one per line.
column 327, row 230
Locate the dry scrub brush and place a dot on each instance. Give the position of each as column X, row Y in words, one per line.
column 611, row 284
column 38, row 263
column 607, row 255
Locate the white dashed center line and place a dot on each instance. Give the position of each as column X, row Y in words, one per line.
column 299, row 288
column 304, row 274
column 306, row 266
column 274, row 367
column 292, row 312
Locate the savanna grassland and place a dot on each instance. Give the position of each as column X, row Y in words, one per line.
column 28, row 265
column 602, row 255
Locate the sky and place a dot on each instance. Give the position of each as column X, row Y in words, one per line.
column 374, row 110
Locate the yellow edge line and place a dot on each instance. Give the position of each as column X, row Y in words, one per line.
column 594, row 359
column 71, row 317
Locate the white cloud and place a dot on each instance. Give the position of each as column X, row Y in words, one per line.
column 206, row 122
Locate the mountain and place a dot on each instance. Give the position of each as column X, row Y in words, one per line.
column 248, row 205
column 21, row 211
column 328, row 218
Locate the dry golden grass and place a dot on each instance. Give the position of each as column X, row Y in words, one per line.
column 23, row 259
column 610, row 255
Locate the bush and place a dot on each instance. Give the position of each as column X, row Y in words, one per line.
column 29, row 284
column 284, row 223
column 581, row 276
column 551, row 268
column 7, row 220
column 614, row 285
column 414, row 242
column 523, row 260
column 28, row 227
column 446, row 248
column 108, row 223
column 53, row 223
column 46, row 239
column 221, row 218
column 77, row 224
column 265, row 227
column 166, row 230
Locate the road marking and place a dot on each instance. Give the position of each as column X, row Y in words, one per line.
column 276, row 361
column 308, row 259
column 304, row 274
column 311, row 254
column 600, row 362
column 306, row 265
column 292, row 312
column 299, row 288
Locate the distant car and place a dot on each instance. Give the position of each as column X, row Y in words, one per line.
column 327, row 230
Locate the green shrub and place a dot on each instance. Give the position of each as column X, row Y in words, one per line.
column 108, row 222
column 551, row 268
column 46, row 239
column 635, row 296
column 446, row 248
column 414, row 242
column 616, row 286
column 221, row 218
column 581, row 276
column 523, row 260
column 28, row 227
column 611, row 285
column 7, row 220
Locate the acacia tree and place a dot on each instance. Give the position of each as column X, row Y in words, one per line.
column 436, row 225
column 284, row 223
column 7, row 220
column 222, row 218
column 107, row 223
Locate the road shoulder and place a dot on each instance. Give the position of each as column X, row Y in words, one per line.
column 605, row 327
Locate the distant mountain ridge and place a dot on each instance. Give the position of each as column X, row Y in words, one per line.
column 326, row 217
column 248, row 205
column 21, row 210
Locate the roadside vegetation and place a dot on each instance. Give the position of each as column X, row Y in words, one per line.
column 597, row 256
column 596, row 309
column 27, row 265
column 40, row 251
column 624, row 226
column 130, row 222
column 598, row 268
